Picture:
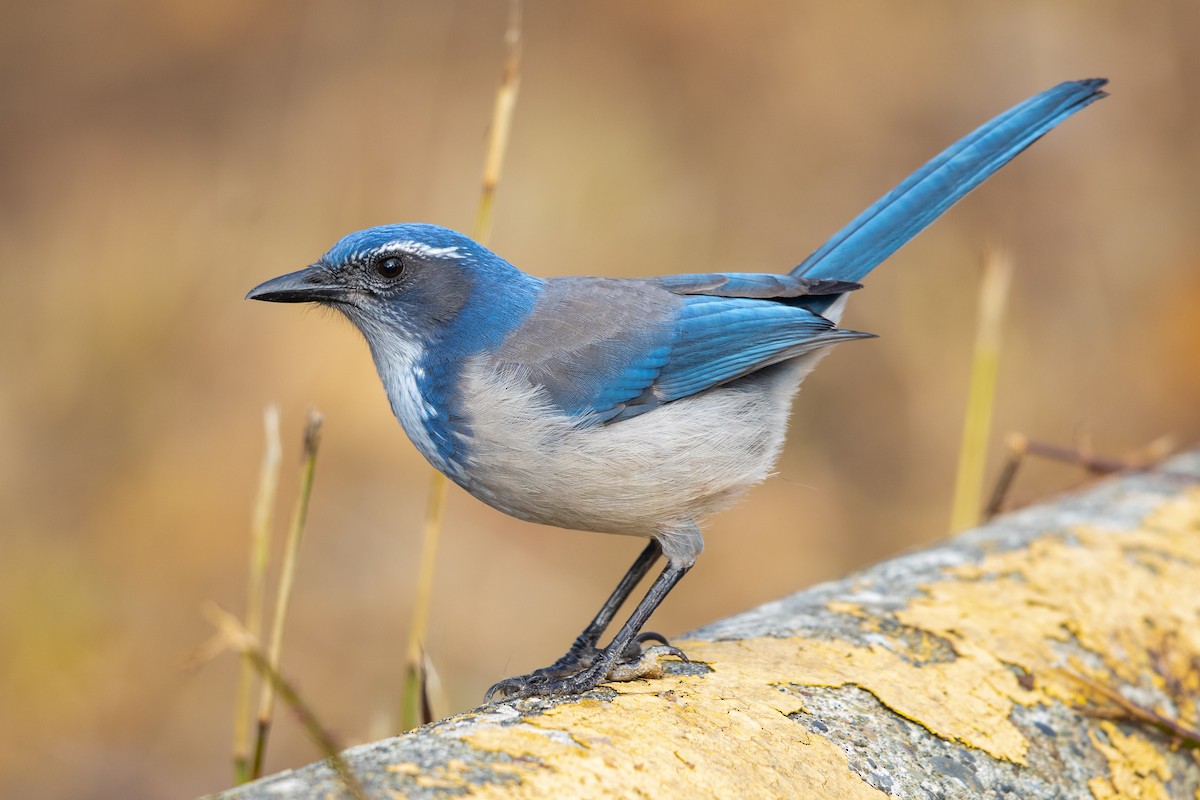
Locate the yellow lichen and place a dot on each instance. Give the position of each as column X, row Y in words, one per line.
column 1120, row 594
column 729, row 733
column 1136, row 768
column 712, row 727
column 843, row 607
column 405, row 768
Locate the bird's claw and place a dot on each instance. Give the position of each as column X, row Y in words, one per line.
column 508, row 688
column 559, row 678
column 539, row 683
column 650, row 636
column 544, row 684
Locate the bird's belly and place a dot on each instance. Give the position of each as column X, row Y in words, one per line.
column 640, row 476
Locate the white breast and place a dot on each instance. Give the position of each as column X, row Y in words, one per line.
column 641, row 476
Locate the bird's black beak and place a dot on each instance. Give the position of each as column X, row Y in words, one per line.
column 309, row 285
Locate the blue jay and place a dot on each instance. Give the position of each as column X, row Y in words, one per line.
column 632, row 406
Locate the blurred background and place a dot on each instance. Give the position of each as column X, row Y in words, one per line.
column 161, row 158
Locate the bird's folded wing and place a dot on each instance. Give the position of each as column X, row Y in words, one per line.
column 606, row 350
column 722, row 339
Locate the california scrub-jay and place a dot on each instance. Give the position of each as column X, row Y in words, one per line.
column 632, row 406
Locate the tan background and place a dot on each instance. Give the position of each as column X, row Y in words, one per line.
column 159, row 159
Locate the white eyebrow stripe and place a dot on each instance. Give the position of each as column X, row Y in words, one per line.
column 421, row 249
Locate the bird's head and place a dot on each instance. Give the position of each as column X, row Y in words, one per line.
column 412, row 284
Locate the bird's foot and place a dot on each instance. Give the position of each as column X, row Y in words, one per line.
column 544, row 684
column 578, row 660
column 583, row 669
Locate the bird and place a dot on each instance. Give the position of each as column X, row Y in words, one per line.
column 635, row 406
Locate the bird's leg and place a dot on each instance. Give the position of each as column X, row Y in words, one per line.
column 604, row 660
column 584, row 647
column 583, row 650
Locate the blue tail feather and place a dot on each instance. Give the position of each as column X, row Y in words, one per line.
column 926, row 194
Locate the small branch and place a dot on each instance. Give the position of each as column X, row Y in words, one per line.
column 1183, row 735
column 1147, row 458
column 1018, row 446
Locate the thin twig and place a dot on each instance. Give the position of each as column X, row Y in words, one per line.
column 287, row 575
column 1018, row 446
column 1097, row 465
column 1185, row 736
column 1145, row 459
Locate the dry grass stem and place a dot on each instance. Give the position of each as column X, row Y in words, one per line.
column 502, row 116
column 414, row 705
column 981, row 397
column 413, row 697
column 291, row 554
column 260, row 539
column 241, row 640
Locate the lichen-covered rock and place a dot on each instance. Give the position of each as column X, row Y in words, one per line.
column 1041, row 656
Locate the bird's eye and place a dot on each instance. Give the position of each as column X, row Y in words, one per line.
column 389, row 267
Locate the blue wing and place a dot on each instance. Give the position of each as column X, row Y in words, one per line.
column 607, row 349
column 722, row 339
column 926, row 194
